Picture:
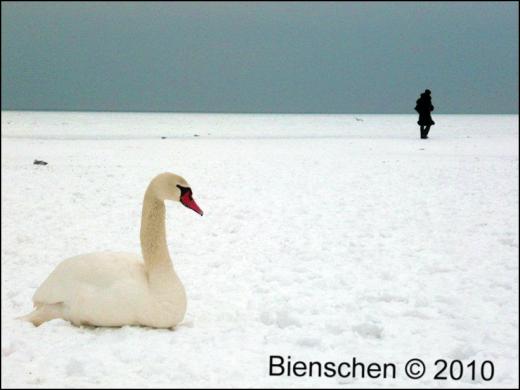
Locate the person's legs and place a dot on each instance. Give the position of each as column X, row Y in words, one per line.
column 422, row 132
column 426, row 131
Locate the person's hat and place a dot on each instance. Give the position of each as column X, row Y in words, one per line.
column 427, row 91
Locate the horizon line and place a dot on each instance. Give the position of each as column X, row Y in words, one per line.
column 237, row 113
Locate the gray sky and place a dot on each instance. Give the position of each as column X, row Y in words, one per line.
column 339, row 57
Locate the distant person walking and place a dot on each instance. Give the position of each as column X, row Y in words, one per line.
column 424, row 107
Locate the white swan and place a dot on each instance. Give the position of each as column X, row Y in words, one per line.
column 116, row 288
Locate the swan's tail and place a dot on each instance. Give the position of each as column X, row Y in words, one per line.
column 31, row 317
column 43, row 313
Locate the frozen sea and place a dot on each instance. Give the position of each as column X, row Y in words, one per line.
column 325, row 237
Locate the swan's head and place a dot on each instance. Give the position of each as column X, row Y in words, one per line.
column 169, row 186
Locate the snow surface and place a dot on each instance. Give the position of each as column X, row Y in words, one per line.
column 324, row 237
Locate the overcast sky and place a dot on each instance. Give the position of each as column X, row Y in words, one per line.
column 338, row 57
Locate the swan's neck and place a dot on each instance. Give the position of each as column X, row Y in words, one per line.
column 153, row 236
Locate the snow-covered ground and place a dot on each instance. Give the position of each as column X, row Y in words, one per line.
column 324, row 238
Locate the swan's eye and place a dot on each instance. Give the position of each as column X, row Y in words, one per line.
column 184, row 190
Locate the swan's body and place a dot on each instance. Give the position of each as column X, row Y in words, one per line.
column 117, row 288
column 109, row 289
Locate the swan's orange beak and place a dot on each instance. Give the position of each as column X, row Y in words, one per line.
column 187, row 200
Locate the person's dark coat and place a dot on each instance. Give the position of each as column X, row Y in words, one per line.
column 424, row 107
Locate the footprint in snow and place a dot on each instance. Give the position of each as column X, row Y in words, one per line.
column 308, row 342
column 368, row 330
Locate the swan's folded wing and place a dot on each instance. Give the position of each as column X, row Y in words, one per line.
column 96, row 271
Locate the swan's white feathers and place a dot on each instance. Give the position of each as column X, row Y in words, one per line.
column 102, row 270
